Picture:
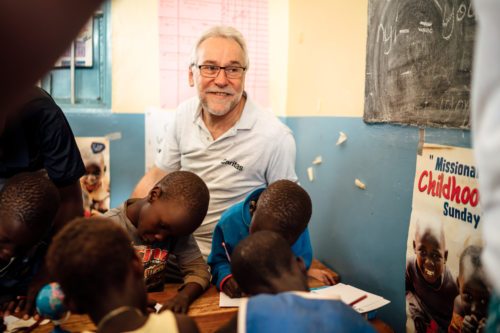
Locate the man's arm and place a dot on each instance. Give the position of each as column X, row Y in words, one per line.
column 147, row 182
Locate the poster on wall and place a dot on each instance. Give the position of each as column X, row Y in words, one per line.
column 446, row 288
column 96, row 180
column 181, row 22
column 156, row 123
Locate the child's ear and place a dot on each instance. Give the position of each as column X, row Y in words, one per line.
column 301, row 264
column 137, row 266
column 445, row 256
column 154, row 194
column 414, row 246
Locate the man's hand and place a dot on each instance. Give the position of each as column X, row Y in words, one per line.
column 231, row 288
column 178, row 304
column 322, row 275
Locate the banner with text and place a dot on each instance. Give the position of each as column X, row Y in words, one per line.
column 446, row 289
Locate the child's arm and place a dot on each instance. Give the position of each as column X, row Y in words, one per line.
column 196, row 275
column 218, row 259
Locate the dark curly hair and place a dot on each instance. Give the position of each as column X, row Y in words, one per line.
column 88, row 257
column 260, row 258
column 31, row 198
column 284, row 207
column 188, row 190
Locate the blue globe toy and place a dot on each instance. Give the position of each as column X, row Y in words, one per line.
column 50, row 304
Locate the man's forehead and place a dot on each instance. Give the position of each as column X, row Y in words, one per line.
column 220, row 49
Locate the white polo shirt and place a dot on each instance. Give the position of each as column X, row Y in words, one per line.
column 255, row 152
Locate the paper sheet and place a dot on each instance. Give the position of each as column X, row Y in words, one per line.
column 228, row 302
column 348, row 294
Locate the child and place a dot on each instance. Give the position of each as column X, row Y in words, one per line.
column 101, row 275
column 95, row 186
column 430, row 288
column 471, row 306
column 28, row 206
column 284, row 207
column 161, row 224
column 263, row 263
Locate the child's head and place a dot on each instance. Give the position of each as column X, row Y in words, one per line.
column 430, row 249
column 177, row 205
column 92, row 179
column 93, row 259
column 284, row 207
column 264, row 263
column 471, row 281
column 29, row 202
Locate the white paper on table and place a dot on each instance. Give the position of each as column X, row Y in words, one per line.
column 13, row 323
column 349, row 294
column 228, row 302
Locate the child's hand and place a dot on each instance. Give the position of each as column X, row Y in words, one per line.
column 178, row 304
column 20, row 306
column 231, row 288
column 420, row 325
column 470, row 324
column 322, row 275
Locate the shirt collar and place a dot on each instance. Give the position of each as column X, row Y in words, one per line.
column 247, row 119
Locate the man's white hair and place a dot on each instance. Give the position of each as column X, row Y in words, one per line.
column 221, row 31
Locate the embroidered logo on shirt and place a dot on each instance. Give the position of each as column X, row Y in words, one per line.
column 233, row 164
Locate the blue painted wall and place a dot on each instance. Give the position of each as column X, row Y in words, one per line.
column 126, row 154
column 362, row 234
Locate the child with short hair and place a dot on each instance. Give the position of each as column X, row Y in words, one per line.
column 101, row 275
column 283, row 207
column 29, row 202
column 471, row 306
column 161, row 224
column 430, row 287
column 263, row 263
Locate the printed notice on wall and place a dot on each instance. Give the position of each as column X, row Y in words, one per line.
column 446, row 288
column 183, row 21
column 96, row 180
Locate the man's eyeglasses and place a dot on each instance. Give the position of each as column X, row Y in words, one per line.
column 211, row 71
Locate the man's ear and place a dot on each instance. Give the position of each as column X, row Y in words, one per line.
column 191, row 76
column 445, row 256
column 154, row 194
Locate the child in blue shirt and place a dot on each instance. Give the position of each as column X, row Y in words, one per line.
column 276, row 282
column 284, row 207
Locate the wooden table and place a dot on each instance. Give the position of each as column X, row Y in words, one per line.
column 205, row 310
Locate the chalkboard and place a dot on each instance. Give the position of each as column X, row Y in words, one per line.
column 419, row 61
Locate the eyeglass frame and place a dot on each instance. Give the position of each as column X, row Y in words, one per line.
column 218, row 70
